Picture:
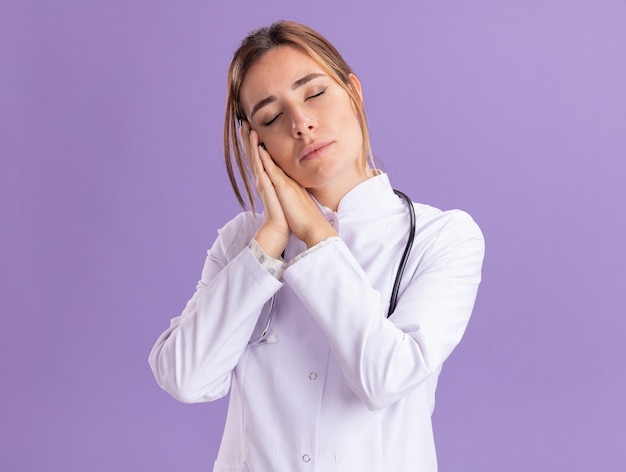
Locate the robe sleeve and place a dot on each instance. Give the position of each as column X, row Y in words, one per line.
column 384, row 359
column 194, row 358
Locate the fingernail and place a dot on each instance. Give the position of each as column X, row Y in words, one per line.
column 239, row 122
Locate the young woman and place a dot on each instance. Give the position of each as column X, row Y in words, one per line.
column 291, row 312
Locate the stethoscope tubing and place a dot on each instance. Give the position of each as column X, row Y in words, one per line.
column 405, row 255
column 263, row 338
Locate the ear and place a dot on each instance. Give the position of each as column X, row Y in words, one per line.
column 356, row 85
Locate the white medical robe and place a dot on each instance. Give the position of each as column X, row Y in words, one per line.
column 339, row 387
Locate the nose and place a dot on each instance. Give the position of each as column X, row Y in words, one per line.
column 301, row 124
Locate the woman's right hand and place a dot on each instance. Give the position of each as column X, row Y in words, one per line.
column 274, row 233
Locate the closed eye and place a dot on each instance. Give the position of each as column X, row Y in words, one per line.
column 317, row 94
column 268, row 123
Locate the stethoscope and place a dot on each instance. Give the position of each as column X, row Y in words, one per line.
column 268, row 312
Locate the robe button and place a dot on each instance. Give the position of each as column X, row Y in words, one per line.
column 306, row 458
column 313, row 376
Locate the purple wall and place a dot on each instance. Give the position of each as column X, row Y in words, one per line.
column 112, row 188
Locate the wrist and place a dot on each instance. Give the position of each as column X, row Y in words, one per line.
column 271, row 240
column 320, row 235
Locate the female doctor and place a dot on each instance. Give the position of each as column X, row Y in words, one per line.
column 291, row 312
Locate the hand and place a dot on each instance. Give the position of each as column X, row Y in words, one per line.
column 303, row 215
column 274, row 233
column 287, row 204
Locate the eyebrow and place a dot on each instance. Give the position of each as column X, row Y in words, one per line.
column 297, row 84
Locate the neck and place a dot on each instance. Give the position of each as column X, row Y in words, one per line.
column 330, row 195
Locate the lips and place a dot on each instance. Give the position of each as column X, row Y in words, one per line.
column 314, row 150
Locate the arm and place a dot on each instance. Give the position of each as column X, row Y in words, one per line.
column 384, row 359
column 194, row 358
column 381, row 359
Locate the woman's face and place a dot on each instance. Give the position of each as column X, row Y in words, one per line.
column 305, row 120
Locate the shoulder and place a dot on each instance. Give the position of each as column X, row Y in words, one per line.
column 456, row 218
column 447, row 232
column 445, row 220
column 237, row 233
column 244, row 221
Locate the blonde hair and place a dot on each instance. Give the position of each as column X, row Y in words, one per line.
column 251, row 49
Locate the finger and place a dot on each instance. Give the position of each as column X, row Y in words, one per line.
column 244, row 133
column 254, row 158
column 275, row 173
column 264, row 185
column 266, row 160
column 251, row 144
column 244, row 129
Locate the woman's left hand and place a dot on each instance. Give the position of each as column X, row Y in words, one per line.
column 304, row 217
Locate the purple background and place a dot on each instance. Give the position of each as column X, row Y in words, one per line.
column 112, row 188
